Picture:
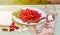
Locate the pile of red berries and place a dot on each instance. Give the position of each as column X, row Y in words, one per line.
column 12, row 27
column 28, row 15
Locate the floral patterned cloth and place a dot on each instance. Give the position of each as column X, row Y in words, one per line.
column 44, row 28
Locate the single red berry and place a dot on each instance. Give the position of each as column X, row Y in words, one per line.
column 16, row 27
column 11, row 26
column 11, row 29
column 13, row 23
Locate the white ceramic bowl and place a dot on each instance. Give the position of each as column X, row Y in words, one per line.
column 39, row 11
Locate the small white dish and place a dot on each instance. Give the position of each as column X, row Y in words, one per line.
column 39, row 11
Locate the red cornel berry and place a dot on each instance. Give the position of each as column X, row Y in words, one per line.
column 13, row 23
column 16, row 27
column 12, row 27
column 29, row 15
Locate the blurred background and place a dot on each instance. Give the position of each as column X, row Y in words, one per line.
column 28, row 2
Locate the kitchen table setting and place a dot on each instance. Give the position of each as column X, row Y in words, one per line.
column 28, row 19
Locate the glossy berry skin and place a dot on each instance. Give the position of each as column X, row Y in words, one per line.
column 16, row 27
column 29, row 15
column 11, row 29
column 13, row 23
column 11, row 26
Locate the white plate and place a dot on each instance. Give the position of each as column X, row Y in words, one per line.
column 39, row 11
